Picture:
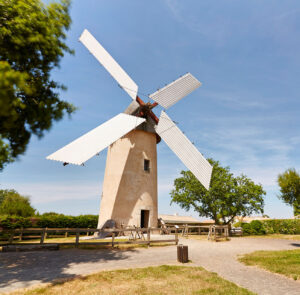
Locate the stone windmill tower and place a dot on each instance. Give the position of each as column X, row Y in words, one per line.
column 130, row 181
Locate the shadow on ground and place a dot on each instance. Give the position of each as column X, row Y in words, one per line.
column 295, row 244
column 38, row 266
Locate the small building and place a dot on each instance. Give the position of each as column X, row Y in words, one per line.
column 248, row 219
column 175, row 219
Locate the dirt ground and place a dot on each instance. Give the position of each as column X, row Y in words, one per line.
column 24, row 269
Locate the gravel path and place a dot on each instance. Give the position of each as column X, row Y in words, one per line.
column 24, row 269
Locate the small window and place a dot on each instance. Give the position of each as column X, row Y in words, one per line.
column 147, row 165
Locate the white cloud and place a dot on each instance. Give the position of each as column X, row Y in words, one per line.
column 252, row 151
column 49, row 192
column 238, row 99
column 205, row 25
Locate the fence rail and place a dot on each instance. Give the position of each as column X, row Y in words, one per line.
column 209, row 230
column 135, row 236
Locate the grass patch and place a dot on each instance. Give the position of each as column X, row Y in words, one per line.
column 144, row 281
column 282, row 262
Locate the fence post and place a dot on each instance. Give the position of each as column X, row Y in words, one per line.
column 21, row 234
column 46, row 233
column 11, row 237
column 87, row 233
column 77, row 238
column 66, row 233
column 42, row 236
column 113, row 240
column 148, row 235
column 176, row 236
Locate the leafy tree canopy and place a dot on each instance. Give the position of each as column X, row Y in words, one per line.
column 227, row 197
column 289, row 183
column 32, row 43
column 15, row 204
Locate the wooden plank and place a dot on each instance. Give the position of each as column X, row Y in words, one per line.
column 112, row 239
column 74, row 230
column 148, row 236
column 11, row 237
column 43, row 236
column 98, row 243
column 21, row 234
column 176, row 236
column 77, row 239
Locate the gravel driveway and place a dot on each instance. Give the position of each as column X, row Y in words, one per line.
column 24, row 269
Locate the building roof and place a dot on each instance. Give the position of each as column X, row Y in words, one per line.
column 248, row 219
column 181, row 219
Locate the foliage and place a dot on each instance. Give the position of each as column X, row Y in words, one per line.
column 271, row 226
column 32, row 43
column 9, row 222
column 255, row 227
column 289, row 183
column 62, row 221
column 3, row 193
column 285, row 262
column 51, row 214
column 50, row 221
column 15, row 204
column 227, row 197
column 282, row 226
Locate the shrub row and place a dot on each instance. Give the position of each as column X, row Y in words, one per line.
column 255, row 227
column 282, row 226
column 51, row 221
column 272, row 226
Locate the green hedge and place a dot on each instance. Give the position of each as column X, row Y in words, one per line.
column 255, row 227
column 272, row 226
column 51, row 221
column 282, row 226
column 8, row 222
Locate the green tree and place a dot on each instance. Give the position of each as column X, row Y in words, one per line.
column 15, row 204
column 227, row 197
column 3, row 193
column 32, row 43
column 289, row 183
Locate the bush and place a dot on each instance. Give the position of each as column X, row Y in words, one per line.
column 271, row 226
column 282, row 226
column 255, row 227
column 14, row 204
column 8, row 222
column 50, row 221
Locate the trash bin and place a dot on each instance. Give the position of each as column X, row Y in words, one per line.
column 182, row 253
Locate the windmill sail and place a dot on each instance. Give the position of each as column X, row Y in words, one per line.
column 184, row 149
column 173, row 92
column 85, row 147
column 107, row 61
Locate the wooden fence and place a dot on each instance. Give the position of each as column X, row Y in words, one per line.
column 212, row 231
column 187, row 230
column 135, row 236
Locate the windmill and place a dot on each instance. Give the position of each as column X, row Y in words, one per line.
column 129, row 194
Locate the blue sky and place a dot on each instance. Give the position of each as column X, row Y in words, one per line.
column 246, row 114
